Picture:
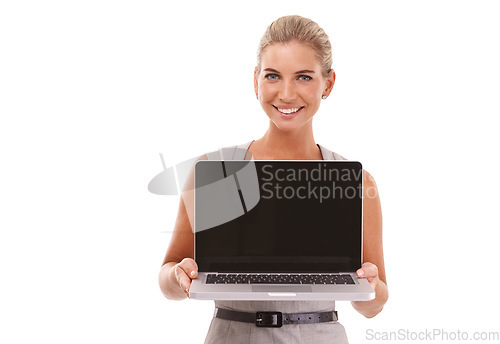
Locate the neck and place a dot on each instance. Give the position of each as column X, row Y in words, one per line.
column 295, row 145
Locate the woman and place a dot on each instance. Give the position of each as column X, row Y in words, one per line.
column 292, row 77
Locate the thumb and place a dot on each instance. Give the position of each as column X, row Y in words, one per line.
column 190, row 267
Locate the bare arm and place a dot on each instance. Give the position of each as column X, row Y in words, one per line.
column 179, row 267
column 373, row 268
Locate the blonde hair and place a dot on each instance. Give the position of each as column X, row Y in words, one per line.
column 304, row 30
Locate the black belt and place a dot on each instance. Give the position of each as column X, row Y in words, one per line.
column 275, row 319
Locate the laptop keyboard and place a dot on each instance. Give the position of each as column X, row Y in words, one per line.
column 279, row 279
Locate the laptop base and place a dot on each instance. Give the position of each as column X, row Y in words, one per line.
column 361, row 290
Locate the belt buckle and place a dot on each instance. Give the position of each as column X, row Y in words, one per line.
column 268, row 319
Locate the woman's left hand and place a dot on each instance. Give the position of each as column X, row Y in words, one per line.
column 371, row 308
column 370, row 272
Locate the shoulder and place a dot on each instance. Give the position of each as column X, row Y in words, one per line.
column 368, row 179
column 236, row 152
column 329, row 154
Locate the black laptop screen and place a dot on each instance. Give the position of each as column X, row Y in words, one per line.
column 278, row 216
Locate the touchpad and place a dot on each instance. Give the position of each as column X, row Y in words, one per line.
column 282, row 289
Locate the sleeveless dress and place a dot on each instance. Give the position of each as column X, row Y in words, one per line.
column 223, row 331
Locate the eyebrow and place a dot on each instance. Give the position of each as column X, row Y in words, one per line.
column 299, row 72
column 304, row 71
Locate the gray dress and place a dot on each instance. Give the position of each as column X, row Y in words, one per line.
column 233, row 332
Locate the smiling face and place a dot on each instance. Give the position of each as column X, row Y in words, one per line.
column 290, row 84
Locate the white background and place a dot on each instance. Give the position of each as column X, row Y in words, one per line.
column 92, row 91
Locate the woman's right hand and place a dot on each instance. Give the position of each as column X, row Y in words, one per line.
column 176, row 273
column 184, row 272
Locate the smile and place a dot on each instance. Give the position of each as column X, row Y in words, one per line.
column 288, row 111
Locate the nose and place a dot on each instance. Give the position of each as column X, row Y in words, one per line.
column 288, row 91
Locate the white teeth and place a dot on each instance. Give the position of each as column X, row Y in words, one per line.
column 289, row 110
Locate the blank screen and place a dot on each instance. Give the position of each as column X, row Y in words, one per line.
column 308, row 217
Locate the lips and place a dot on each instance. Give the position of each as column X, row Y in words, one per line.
column 288, row 110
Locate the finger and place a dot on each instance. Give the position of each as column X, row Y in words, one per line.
column 182, row 278
column 190, row 267
column 371, row 270
column 368, row 270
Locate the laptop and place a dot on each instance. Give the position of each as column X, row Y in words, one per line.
column 278, row 230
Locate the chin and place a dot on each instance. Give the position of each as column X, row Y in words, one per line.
column 287, row 127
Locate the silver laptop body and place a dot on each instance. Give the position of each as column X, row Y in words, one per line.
column 278, row 230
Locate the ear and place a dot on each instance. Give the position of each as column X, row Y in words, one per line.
column 329, row 84
column 256, row 82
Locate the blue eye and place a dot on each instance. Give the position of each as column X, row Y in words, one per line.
column 305, row 78
column 272, row 76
